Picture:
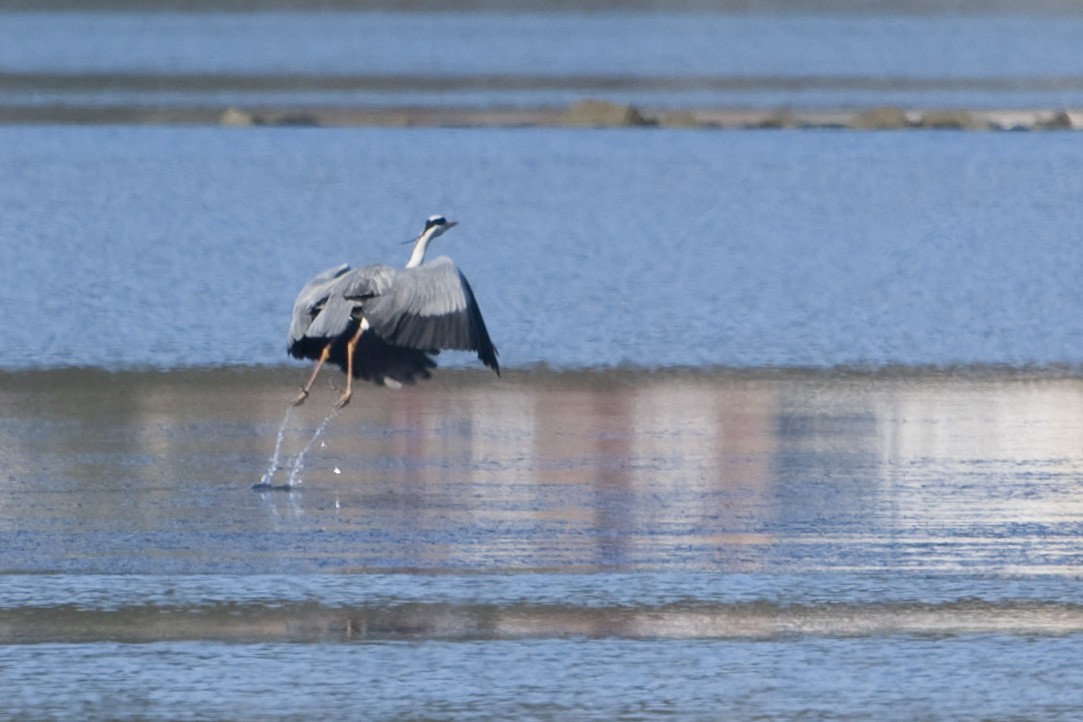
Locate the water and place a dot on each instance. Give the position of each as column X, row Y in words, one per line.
column 134, row 247
column 831, row 679
column 591, row 471
column 484, row 59
column 575, row 545
column 789, row 426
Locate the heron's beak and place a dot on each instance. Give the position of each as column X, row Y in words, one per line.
column 450, row 224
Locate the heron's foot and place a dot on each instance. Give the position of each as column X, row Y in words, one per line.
column 301, row 397
column 344, row 399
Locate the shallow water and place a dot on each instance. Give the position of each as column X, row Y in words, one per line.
column 594, row 471
column 591, row 545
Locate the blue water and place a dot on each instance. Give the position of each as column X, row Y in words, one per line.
column 761, row 59
column 564, row 546
column 688, row 545
column 611, row 679
column 132, row 247
column 428, row 43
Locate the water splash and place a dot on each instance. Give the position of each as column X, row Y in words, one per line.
column 272, row 466
column 299, row 462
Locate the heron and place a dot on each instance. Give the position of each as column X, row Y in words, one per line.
column 384, row 325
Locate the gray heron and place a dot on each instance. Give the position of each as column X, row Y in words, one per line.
column 384, row 325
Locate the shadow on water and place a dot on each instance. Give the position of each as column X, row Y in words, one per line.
column 621, row 470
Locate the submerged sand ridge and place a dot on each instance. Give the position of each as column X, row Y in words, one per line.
column 583, row 114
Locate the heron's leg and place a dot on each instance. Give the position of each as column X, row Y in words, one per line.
column 350, row 346
column 312, row 378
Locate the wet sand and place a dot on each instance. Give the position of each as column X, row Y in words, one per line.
column 585, row 471
column 394, row 620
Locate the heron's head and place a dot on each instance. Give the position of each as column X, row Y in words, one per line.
column 437, row 225
column 434, row 226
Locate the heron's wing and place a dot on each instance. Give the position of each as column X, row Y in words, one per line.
column 429, row 307
column 341, row 296
column 310, row 302
column 366, row 282
column 375, row 360
column 334, row 319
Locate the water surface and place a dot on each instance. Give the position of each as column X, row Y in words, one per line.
column 789, row 428
column 131, row 247
column 151, row 473
column 673, row 59
column 588, row 545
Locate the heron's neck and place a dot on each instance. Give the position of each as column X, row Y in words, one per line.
column 420, row 246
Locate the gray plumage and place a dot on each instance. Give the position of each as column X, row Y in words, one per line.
column 310, row 302
column 410, row 314
column 428, row 307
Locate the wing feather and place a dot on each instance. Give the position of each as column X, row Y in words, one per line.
column 365, row 282
column 308, row 305
column 431, row 307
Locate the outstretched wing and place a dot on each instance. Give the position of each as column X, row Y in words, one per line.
column 310, row 302
column 429, row 307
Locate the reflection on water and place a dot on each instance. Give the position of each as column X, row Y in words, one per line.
column 572, row 546
column 151, row 472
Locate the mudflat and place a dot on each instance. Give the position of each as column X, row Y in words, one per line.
column 716, row 470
